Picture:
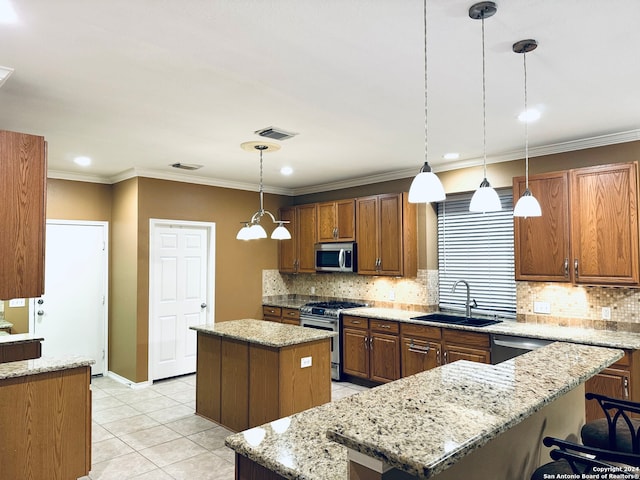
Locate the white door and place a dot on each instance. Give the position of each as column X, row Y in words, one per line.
column 180, row 272
column 72, row 314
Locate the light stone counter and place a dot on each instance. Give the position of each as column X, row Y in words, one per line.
column 424, row 423
column 269, row 334
column 19, row 338
column 602, row 338
column 23, row 368
column 5, row 324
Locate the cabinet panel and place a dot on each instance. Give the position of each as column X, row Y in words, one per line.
column 23, row 171
column 306, row 223
column 367, row 235
column 419, row 355
column 390, row 239
column 453, row 353
column 337, row 221
column 542, row 243
column 355, row 352
column 384, row 357
column 346, row 223
column 611, row 382
column 288, row 252
column 291, row 316
column 604, row 227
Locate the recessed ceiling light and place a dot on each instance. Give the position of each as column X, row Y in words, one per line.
column 286, row 170
column 530, row 115
column 451, row 156
column 82, row 161
column 7, row 13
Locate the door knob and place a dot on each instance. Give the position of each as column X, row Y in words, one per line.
column 203, row 305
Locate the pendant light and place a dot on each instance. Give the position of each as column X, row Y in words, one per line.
column 426, row 186
column 252, row 229
column 485, row 198
column 527, row 205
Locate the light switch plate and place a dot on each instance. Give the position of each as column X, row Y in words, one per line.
column 305, row 362
column 606, row 313
column 541, row 307
column 16, row 302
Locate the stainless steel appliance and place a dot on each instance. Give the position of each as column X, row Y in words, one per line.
column 505, row 347
column 336, row 257
column 327, row 316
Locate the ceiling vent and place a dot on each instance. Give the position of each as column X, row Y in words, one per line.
column 275, row 133
column 5, row 73
column 186, row 166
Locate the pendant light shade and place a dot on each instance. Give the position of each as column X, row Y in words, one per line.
column 426, row 186
column 485, row 198
column 527, row 205
column 252, row 230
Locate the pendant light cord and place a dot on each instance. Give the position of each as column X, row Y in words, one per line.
column 484, row 107
column 526, row 124
column 261, row 190
column 425, row 82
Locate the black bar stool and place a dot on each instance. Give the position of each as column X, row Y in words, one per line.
column 618, row 431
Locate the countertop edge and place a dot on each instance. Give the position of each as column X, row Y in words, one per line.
column 25, row 368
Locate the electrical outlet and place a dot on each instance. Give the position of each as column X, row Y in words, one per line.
column 541, row 307
column 305, row 362
column 313, row 290
column 392, row 295
column 606, row 313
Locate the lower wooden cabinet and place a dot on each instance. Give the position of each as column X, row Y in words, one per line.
column 371, row 349
column 465, row 345
column 286, row 315
column 421, row 348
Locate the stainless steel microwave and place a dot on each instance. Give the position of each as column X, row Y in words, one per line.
column 336, row 257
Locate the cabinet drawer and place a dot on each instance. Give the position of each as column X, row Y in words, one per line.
column 271, row 311
column 422, row 331
column 355, row 322
column 465, row 338
column 290, row 313
column 383, row 326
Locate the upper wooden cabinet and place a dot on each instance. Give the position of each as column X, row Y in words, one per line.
column 23, row 169
column 386, row 235
column 588, row 231
column 337, row 221
column 297, row 254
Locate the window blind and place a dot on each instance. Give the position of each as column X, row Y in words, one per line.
column 478, row 248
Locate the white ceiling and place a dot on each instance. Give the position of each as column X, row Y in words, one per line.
column 139, row 84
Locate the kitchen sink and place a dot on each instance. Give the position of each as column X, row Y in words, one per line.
column 456, row 320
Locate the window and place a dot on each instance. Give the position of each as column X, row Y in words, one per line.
column 478, row 248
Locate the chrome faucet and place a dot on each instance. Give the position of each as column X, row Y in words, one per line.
column 469, row 301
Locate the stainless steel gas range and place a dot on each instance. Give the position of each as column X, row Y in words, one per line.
column 328, row 316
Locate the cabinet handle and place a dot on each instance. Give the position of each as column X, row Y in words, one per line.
column 625, row 383
column 355, row 322
column 446, row 357
column 566, row 267
column 417, row 349
column 438, row 359
column 380, row 325
column 575, row 267
column 371, row 343
column 335, row 232
column 366, row 339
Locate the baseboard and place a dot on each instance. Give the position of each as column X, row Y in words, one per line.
column 127, row 382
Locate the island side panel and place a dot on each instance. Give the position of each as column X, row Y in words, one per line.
column 234, row 393
column 305, row 387
column 264, row 394
column 208, row 377
column 45, row 420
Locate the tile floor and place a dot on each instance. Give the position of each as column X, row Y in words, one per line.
column 153, row 433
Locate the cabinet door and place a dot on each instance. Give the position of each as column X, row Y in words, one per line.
column 384, row 357
column 390, row 242
column 419, row 355
column 453, row 353
column 306, row 220
column 355, row 352
column 542, row 243
column 23, row 171
column 604, row 224
column 367, row 235
column 346, row 220
column 327, row 222
column 287, row 260
column 611, row 382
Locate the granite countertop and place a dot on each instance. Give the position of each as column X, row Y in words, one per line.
column 270, row 334
column 424, row 423
column 5, row 324
column 19, row 338
column 587, row 336
column 23, row 368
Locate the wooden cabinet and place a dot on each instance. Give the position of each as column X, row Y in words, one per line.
column 465, row 345
column 371, row 349
column 23, row 171
column 588, row 231
column 421, row 348
column 26, row 350
column 386, row 235
column 337, row 221
column 620, row 380
column 296, row 255
column 290, row 316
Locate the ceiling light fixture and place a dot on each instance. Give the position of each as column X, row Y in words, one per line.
column 426, row 186
column 527, row 205
column 82, row 161
column 252, row 229
column 485, row 198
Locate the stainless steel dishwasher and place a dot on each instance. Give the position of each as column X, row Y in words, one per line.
column 504, row 347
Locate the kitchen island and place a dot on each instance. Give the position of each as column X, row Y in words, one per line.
column 250, row 371
column 45, row 418
column 460, row 420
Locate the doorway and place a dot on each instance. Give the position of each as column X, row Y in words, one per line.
column 72, row 314
column 181, row 286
